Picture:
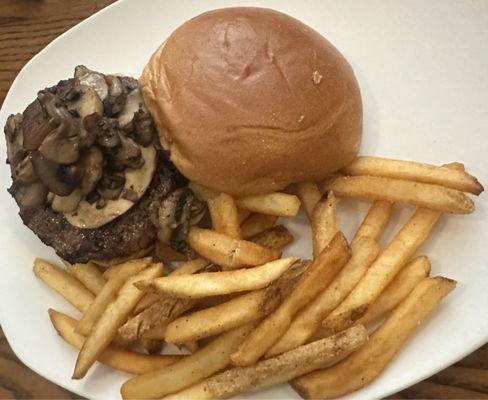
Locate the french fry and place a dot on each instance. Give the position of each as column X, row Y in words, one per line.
column 364, row 365
column 223, row 212
column 122, row 360
column 202, row 192
column 121, row 260
column 309, row 195
column 278, row 369
column 112, row 318
column 275, row 238
column 317, row 277
column 308, row 320
column 216, row 283
column 190, row 370
column 70, row 288
column 401, row 191
column 158, row 332
column 192, row 347
column 235, row 312
column 383, row 270
column 228, row 252
column 242, row 215
column 278, row 204
column 125, row 267
column 256, row 224
column 108, row 293
column 167, row 254
column 190, row 267
column 152, row 346
column 324, row 222
column 375, row 221
column 147, row 300
column 454, row 178
column 398, row 289
column 88, row 274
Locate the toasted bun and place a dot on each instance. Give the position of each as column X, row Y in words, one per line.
column 249, row 100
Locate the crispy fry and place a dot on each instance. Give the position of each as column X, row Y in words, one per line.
column 454, row 178
column 256, row 224
column 192, row 369
column 190, row 267
column 122, row 360
column 125, row 267
column 317, row 277
column 158, row 332
column 202, row 192
column 225, row 219
column 278, row 204
column 228, row 252
column 398, row 289
column 383, row 270
column 235, row 312
column 88, row 274
column 375, row 221
column 309, row 195
column 276, row 238
column 397, row 190
column 242, row 215
column 308, row 320
column 120, row 260
column 192, row 347
column 152, row 346
column 147, row 300
column 167, row 254
column 63, row 283
column 108, row 293
column 277, row 369
column 364, row 365
column 112, row 318
column 324, row 222
column 217, row 283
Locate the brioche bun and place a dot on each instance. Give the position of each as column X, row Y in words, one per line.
column 249, row 100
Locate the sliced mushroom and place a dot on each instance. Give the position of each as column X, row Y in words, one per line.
column 108, row 135
column 61, row 145
column 67, row 203
column 111, row 185
column 133, row 103
column 93, row 79
column 128, row 155
column 114, row 103
column 24, row 171
column 13, row 136
column 92, row 166
column 29, row 195
column 87, row 102
column 142, row 128
column 89, row 216
column 36, row 125
column 61, row 180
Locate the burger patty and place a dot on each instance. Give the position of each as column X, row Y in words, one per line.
column 125, row 235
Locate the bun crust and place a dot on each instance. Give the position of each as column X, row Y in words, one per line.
column 249, row 100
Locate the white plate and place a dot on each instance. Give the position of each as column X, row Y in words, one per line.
column 422, row 67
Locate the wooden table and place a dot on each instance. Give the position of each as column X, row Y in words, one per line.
column 26, row 26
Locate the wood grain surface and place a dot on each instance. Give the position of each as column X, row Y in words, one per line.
column 27, row 26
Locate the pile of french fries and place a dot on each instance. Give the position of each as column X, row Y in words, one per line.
column 249, row 318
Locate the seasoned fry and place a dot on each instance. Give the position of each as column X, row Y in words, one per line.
column 308, row 320
column 63, row 283
column 383, row 270
column 192, row 369
column 126, row 267
column 278, row 369
column 202, row 192
column 122, row 360
column 309, row 195
column 108, row 293
column 228, row 252
column 375, row 221
column 454, row 178
column 225, row 219
column 398, row 289
column 276, row 238
column 317, row 277
column 401, row 191
column 217, row 283
column 167, row 254
column 88, row 274
column 364, row 365
column 256, row 224
column 120, row 260
column 278, row 204
column 324, row 222
column 112, row 318
column 235, row 312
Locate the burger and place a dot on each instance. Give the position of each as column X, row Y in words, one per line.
column 241, row 100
